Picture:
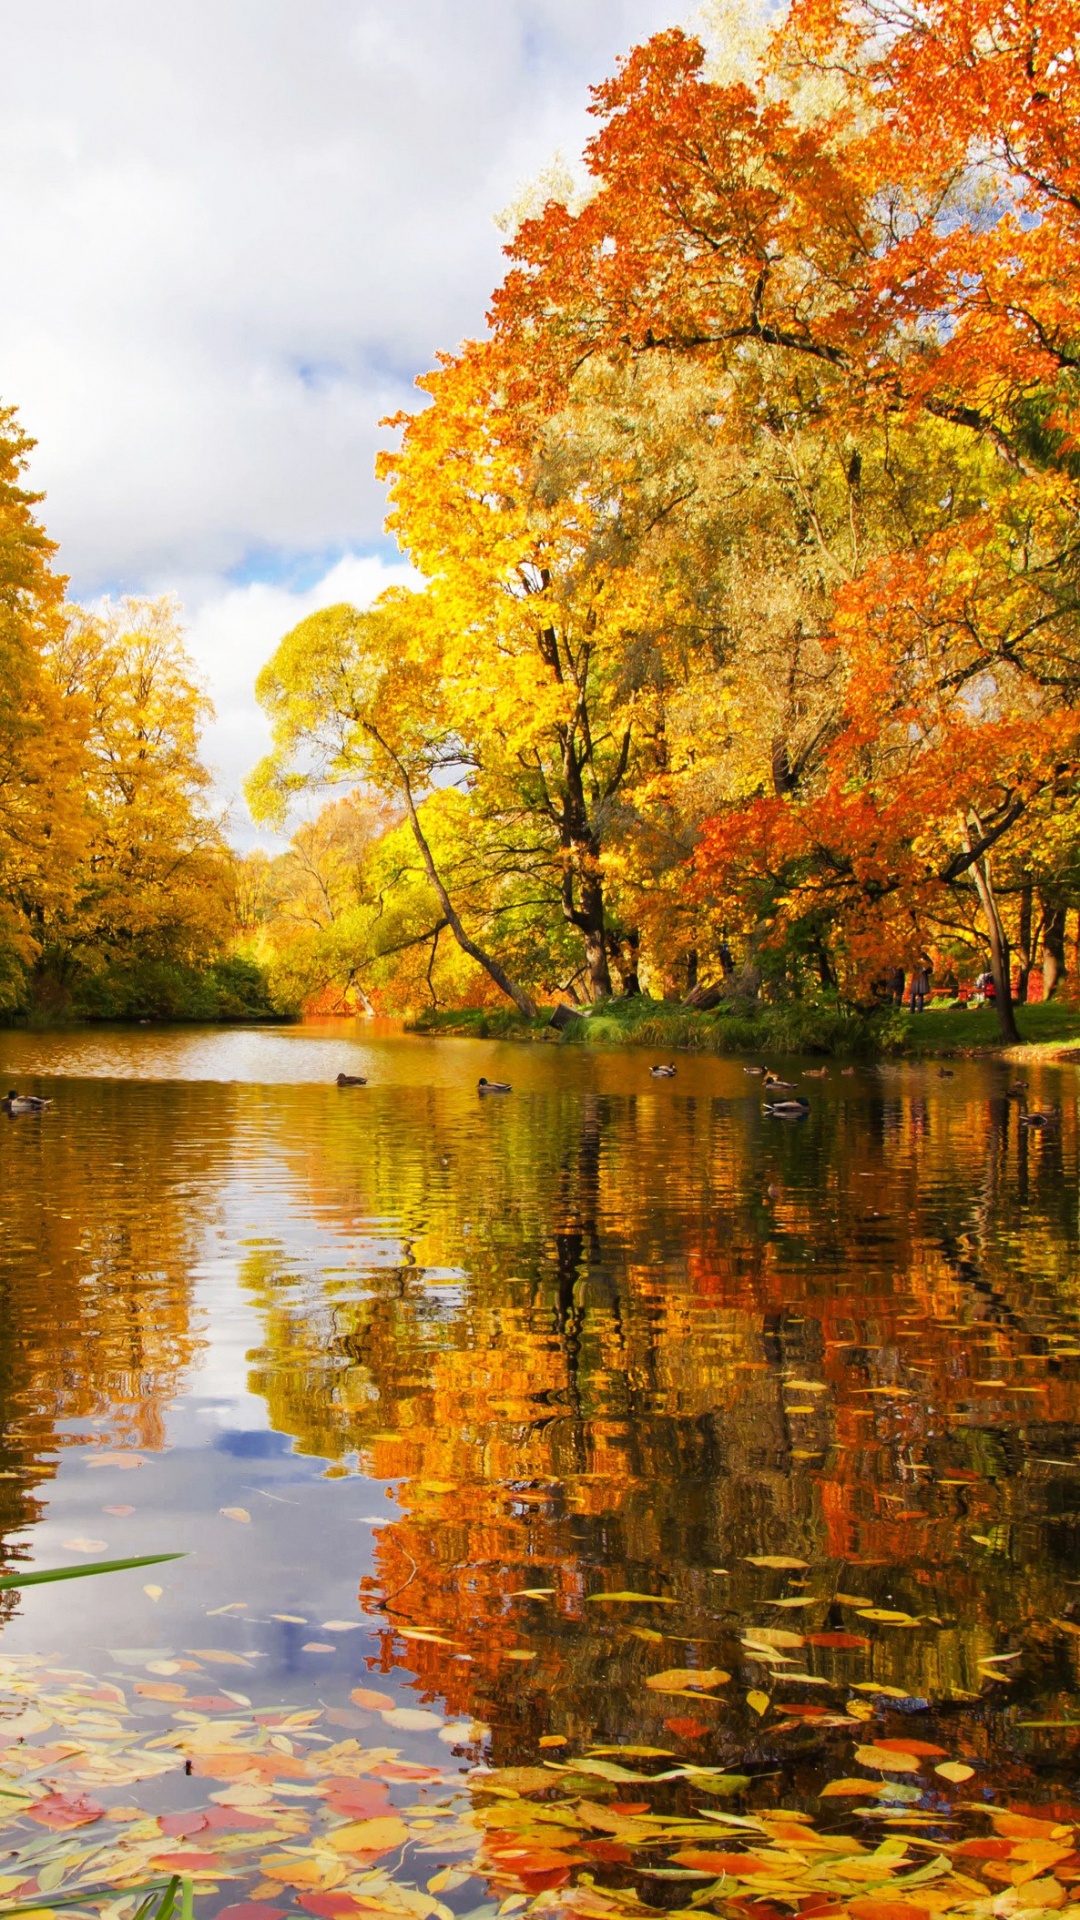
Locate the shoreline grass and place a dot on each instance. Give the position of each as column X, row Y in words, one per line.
column 823, row 1027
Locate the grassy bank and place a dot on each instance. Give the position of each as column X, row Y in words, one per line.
column 823, row 1028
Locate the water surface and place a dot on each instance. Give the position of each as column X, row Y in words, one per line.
column 606, row 1335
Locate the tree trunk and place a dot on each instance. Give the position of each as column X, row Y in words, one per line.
column 588, row 914
column 691, row 970
column 1053, row 947
column 490, row 965
column 625, row 948
column 1024, row 954
column 999, row 945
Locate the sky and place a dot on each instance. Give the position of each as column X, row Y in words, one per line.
column 236, row 231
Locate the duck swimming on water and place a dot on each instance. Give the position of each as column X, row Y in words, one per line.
column 784, row 1086
column 664, row 1073
column 796, row 1109
column 24, row 1103
column 351, row 1080
column 493, row 1086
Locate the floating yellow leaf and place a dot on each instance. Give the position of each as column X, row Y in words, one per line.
column 954, row 1770
column 781, row 1562
column 838, row 1789
column 236, row 1513
column 759, row 1702
column 889, row 1616
column 887, row 1761
column 154, row 1593
column 519, row 1653
column 378, row 1835
column 653, row 1599
column 687, row 1679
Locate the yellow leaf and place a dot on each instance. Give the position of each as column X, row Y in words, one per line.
column 782, row 1562
column 954, row 1770
column 236, row 1513
column 843, row 1788
column 758, row 1701
column 687, row 1679
column 379, row 1835
column 154, row 1593
column 886, row 1761
column 217, row 1657
column 890, row 1616
column 653, row 1599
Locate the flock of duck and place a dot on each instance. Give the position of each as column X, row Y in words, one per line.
column 776, row 1103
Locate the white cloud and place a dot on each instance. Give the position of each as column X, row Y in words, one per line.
column 235, row 231
column 233, row 632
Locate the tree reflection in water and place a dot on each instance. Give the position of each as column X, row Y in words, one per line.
column 635, row 1344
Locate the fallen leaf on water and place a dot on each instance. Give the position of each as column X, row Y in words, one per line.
column 887, row 1761
column 687, row 1679
column 341, row 1626
column 552, row 1740
column 518, row 1653
column 218, row 1656
column 845, row 1788
column 448, row 1879
column 531, row 1593
column 757, row 1701
column 890, row 1616
column 236, row 1513
column 921, row 1747
column 653, row 1599
column 370, row 1836
column 646, row 1633
column 120, row 1512
column 412, row 1719
column 63, row 1811
column 773, row 1637
column 371, row 1697
column 160, row 1689
column 781, row 1562
column 293, row 1619
column 83, row 1545
column 686, row 1728
column 116, row 1460
column 801, row 1600
column 154, row 1593
column 955, row 1770
column 635, row 1753
column 318, row 1646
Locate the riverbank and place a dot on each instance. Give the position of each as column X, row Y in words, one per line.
column 1047, row 1032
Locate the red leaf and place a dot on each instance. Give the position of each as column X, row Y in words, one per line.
column 185, row 1862
column 870, row 1909
column 250, row 1910
column 181, row 1826
column 836, row 1640
column 688, row 1729
column 64, row 1810
column 333, row 1906
column 361, row 1799
column 612, row 1852
column 402, row 1770
column 920, row 1747
column 985, row 1849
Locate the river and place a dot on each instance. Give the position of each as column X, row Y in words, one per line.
column 442, row 1370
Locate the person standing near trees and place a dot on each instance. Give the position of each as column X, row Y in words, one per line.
column 920, row 984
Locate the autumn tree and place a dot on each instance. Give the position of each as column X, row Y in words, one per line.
column 359, row 697
column 41, row 822
column 154, row 877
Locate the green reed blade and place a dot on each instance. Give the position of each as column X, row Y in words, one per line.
column 80, row 1573
column 167, row 1888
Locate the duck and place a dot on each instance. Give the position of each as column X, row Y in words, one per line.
column 753, row 1070
column 846, row 1073
column 1017, row 1091
column 493, row 1086
column 945, row 1073
column 1039, row 1119
column 783, row 1086
column 796, row 1109
column 24, row 1103
column 664, row 1073
column 815, row 1073
column 351, row 1080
